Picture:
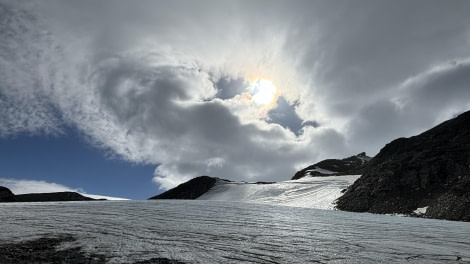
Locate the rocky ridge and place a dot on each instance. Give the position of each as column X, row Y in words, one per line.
column 6, row 195
column 353, row 165
column 430, row 170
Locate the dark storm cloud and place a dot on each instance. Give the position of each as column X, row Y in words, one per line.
column 163, row 82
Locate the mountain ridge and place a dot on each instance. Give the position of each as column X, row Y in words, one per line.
column 430, row 170
column 6, row 195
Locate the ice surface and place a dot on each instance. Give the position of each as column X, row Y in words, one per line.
column 236, row 232
column 313, row 192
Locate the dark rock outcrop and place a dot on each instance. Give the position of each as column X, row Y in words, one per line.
column 191, row 189
column 348, row 166
column 6, row 195
column 431, row 169
column 51, row 197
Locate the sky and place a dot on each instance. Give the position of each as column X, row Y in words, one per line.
column 130, row 98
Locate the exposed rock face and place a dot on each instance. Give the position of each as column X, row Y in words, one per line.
column 329, row 167
column 6, row 195
column 51, row 197
column 431, row 169
column 189, row 190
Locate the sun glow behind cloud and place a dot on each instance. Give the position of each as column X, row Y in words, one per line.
column 261, row 94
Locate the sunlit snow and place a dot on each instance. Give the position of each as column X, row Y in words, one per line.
column 96, row 196
column 313, row 192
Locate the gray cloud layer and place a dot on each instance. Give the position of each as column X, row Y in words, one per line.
column 159, row 81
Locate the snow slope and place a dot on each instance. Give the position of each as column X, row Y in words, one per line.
column 312, row 192
column 110, row 198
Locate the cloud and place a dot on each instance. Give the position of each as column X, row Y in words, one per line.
column 164, row 82
column 422, row 101
column 24, row 106
column 32, row 186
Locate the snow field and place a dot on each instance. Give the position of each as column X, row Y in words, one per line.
column 311, row 192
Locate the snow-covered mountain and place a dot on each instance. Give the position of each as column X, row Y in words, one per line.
column 312, row 192
column 308, row 188
column 426, row 175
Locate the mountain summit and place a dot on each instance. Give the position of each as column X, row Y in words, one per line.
column 329, row 167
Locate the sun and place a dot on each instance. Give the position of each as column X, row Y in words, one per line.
column 263, row 92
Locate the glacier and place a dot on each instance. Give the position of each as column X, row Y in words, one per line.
column 201, row 231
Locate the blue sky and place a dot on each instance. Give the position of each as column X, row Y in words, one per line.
column 70, row 161
column 241, row 90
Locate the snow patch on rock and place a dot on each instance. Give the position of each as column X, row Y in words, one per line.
column 421, row 211
column 320, row 170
